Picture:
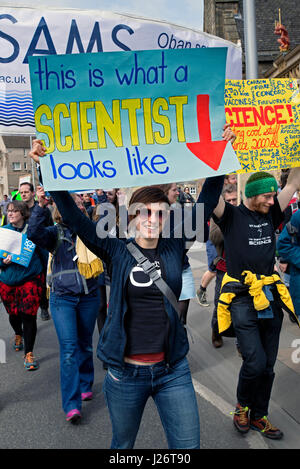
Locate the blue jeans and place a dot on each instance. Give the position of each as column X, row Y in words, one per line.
column 127, row 391
column 74, row 319
column 258, row 340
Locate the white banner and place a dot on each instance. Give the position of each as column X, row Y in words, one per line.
column 27, row 31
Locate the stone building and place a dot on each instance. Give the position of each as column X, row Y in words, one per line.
column 15, row 165
column 286, row 65
column 224, row 18
column 3, row 169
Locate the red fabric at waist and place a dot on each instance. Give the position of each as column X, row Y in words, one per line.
column 221, row 265
column 148, row 357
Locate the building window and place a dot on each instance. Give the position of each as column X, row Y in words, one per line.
column 193, row 190
column 16, row 166
column 25, row 166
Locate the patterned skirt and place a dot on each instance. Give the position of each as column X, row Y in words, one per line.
column 23, row 298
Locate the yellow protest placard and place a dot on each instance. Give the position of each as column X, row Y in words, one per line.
column 265, row 115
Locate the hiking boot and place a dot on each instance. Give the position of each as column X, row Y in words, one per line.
column 18, row 343
column 241, row 419
column 216, row 339
column 30, row 363
column 45, row 316
column 201, row 295
column 263, row 426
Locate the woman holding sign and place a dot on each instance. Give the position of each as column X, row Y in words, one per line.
column 74, row 301
column 21, row 287
column 143, row 341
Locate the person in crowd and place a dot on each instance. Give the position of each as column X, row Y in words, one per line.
column 209, row 274
column 252, row 294
column 4, row 203
column 211, row 253
column 143, row 341
column 288, row 246
column 88, row 203
column 171, row 191
column 188, row 198
column 188, row 285
column 99, row 196
column 3, row 218
column 74, row 301
column 180, row 197
column 292, row 207
column 112, row 198
column 104, row 278
column 230, row 179
column 27, row 194
column 21, row 288
column 216, row 237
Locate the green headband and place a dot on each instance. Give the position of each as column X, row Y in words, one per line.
column 260, row 183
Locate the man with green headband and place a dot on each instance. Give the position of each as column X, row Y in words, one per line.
column 252, row 295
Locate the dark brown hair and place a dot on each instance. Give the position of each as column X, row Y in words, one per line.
column 165, row 187
column 22, row 207
column 31, row 188
column 147, row 195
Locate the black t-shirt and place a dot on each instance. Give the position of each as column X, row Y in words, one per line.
column 249, row 239
column 146, row 318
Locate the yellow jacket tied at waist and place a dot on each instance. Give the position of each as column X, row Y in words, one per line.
column 253, row 284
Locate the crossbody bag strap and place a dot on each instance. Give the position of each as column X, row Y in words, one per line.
column 150, row 269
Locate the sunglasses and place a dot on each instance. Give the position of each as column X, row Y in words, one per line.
column 147, row 213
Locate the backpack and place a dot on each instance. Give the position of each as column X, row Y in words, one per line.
column 60, row 238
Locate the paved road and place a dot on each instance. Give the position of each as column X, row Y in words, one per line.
column 30, row 404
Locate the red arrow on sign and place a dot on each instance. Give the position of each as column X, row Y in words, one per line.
column 208, row 151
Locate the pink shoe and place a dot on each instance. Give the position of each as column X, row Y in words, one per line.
column 86, row 396
column 73, row 416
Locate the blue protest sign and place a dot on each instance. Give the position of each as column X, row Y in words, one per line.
column 122, row 119
column 16, row 245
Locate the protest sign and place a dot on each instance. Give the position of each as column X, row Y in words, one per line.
column 17, row 245
column 265, row 115
column 26, row 32
column 123, row 119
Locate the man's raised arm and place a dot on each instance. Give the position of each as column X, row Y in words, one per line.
column 292, row 185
